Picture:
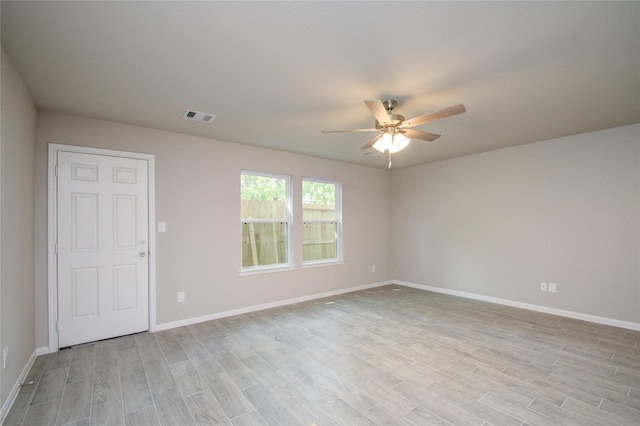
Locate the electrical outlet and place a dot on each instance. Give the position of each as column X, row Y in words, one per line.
column 5, row 358
column 543, row 286
column 373, row 268
column 552, row 287
column 180, row 296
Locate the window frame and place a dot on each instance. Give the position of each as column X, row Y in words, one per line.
column 339, row 259
column 288, row 219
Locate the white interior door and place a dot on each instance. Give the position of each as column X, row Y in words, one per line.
column 102, row 247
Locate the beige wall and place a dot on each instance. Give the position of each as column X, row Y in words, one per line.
column 198, row 196
column 498, row 223
column 493, row 224
column 17, row 212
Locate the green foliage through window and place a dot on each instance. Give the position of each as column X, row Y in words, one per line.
column 318, row 193
column 266, row 188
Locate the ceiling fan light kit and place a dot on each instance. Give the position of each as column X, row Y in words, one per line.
column 392, row 143
column 395, row 131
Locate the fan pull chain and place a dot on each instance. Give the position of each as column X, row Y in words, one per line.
column 389, row 158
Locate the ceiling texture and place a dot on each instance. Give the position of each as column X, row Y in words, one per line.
column 277, row 73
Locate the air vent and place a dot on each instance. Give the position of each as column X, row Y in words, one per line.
column 203, row 117
column 371, row 153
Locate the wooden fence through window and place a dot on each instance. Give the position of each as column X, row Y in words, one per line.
column 264, row 243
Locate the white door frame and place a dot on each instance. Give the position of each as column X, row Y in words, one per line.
column 52, row 236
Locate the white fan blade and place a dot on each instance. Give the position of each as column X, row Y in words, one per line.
column 372, row 142
column 378, row 110
column 418, row 134
column 432, row 116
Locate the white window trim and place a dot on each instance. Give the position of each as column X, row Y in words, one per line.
column 255, row 270
column 339, row 259
column 280, row 267
column 318, row 263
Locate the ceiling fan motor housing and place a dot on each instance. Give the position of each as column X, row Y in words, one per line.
column 394, row 120
column 390, row 104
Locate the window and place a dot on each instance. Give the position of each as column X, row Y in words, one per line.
column 266, row 221
column 322, row 221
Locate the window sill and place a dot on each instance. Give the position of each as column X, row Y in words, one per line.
column 319, row 263
column 266, row 270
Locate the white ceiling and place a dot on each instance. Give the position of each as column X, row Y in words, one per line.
column 276, row 73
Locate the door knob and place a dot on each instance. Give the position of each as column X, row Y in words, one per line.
column 143, row 253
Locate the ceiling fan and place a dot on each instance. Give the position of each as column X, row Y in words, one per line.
column 395, row 132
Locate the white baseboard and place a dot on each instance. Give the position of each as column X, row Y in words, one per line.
column 43, row 350
column 16, row 388
column 537, row 308
column 261, row 307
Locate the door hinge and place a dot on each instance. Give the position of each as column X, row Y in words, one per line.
column 57, row 325
column 55, row 170
column 56, row 248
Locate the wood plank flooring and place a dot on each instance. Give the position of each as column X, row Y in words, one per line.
column 386, row 356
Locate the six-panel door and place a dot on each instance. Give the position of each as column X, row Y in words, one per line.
column 102, row 217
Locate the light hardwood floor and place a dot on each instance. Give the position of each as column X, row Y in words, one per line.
column 387, row 356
